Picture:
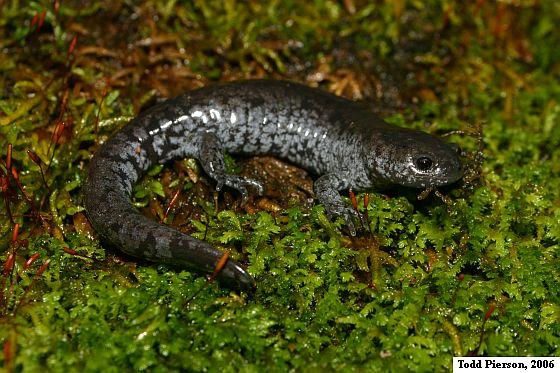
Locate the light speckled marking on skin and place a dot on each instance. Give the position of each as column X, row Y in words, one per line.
column 336, row 139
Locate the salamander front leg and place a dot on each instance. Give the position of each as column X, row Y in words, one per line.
column 326, row 190
column 211, row 158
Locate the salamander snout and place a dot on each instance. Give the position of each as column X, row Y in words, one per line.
column 419, row 160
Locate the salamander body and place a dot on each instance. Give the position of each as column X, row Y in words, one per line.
column 338, row 140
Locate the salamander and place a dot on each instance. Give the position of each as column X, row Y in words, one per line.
column 338, row 140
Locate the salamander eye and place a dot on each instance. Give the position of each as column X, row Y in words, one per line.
column 423, row 163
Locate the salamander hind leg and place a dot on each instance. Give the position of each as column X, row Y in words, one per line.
column 326, row 190
column 211, row 158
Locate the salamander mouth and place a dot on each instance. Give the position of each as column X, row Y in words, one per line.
column 448, row 179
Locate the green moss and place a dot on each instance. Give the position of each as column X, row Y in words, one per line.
column 422, row 282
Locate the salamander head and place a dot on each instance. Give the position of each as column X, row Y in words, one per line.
column 415, row 159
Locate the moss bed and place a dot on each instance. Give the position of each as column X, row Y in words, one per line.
column 470, row 270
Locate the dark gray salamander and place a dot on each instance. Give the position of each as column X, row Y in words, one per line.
column 334, row 138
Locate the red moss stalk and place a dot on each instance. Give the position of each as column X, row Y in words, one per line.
column 71, row 48
column 353, row 199
column 34, row 209
column 9, row 157
column 70, row 251
column 35, row 158
column 489, row 312
column 103, row 94
column 366, row 213
column 8, row 355
column 15, row 233
column 219, row 266
column 355, row 205
column 31, row 260
column 9, row 264
column 42, row 269
column 34, row 21
column 172, row 203
column 41, row 19
column 57, row 133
